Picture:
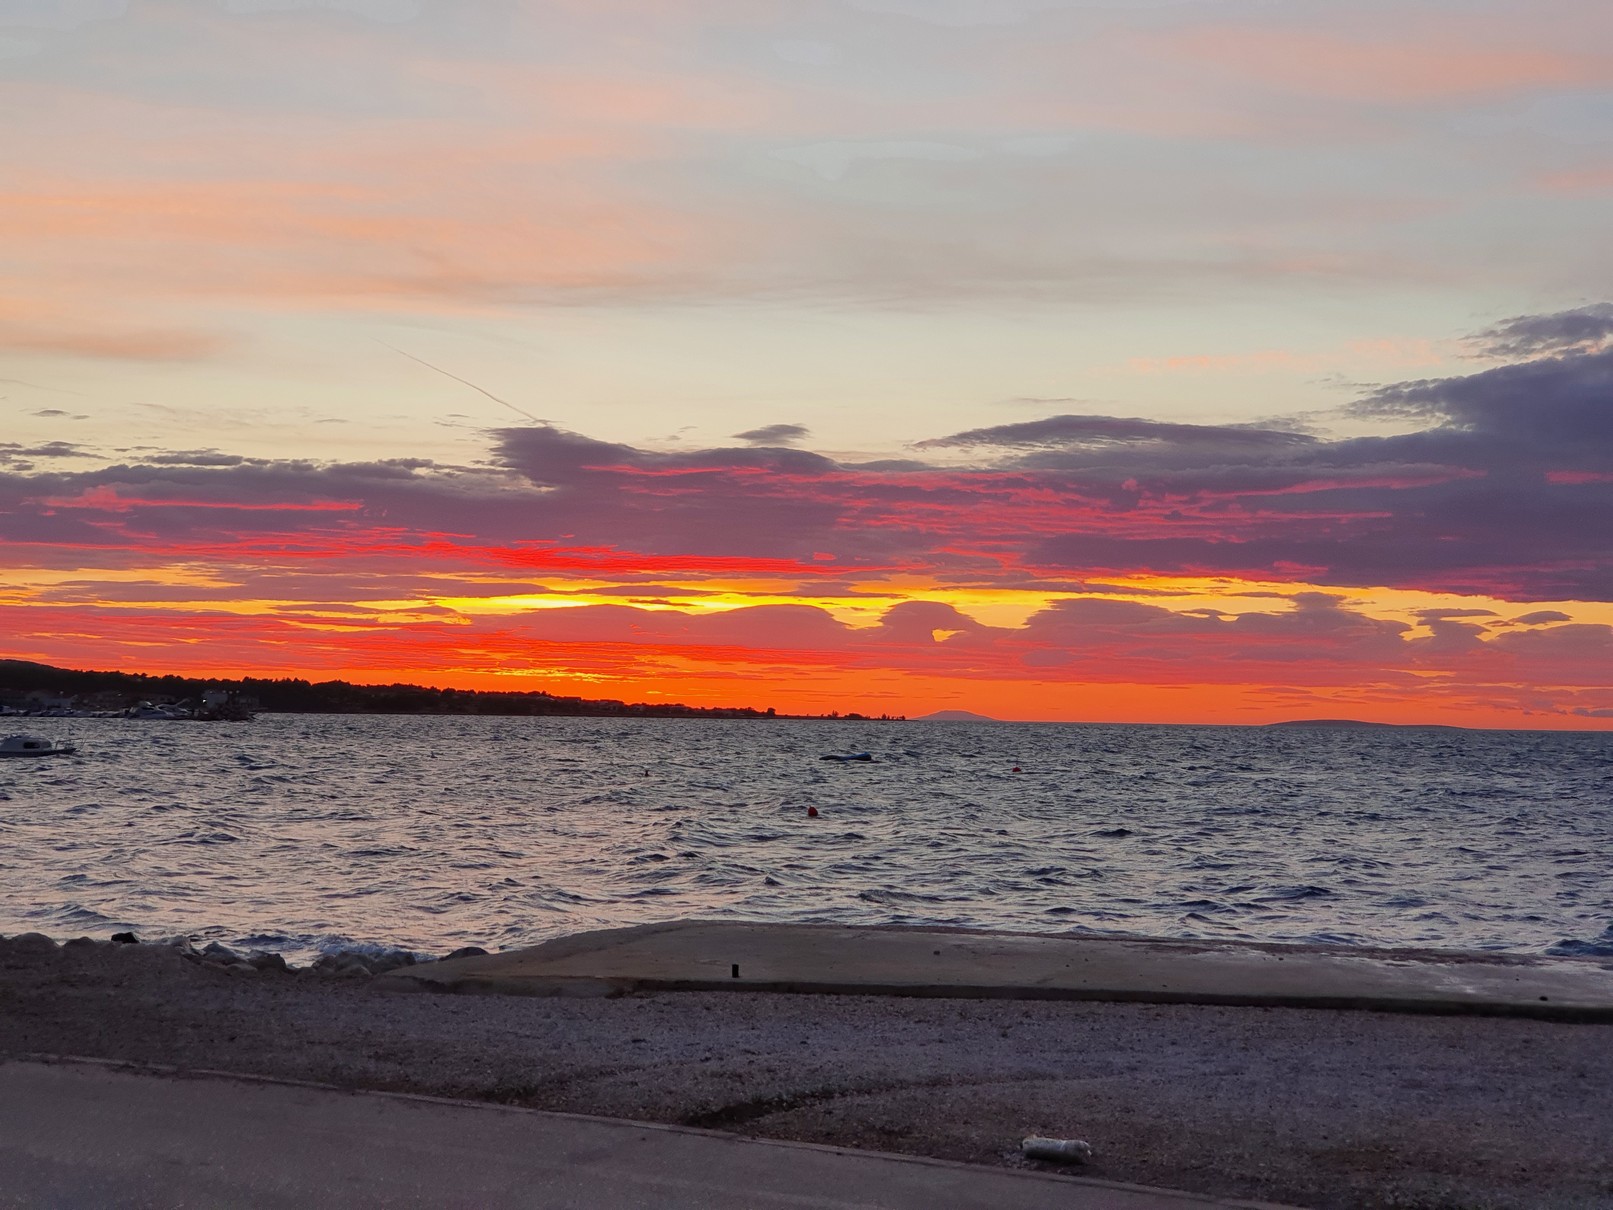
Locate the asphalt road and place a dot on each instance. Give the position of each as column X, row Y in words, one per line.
column 75, row 1135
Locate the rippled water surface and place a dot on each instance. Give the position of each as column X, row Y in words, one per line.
column 301, row 833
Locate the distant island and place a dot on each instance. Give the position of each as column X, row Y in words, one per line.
column 956, row 716
column 41, row 689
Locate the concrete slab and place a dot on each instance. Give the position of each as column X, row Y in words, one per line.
column 718, row 955
column 78, row 1134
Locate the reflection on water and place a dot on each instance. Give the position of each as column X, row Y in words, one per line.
column 298, row 832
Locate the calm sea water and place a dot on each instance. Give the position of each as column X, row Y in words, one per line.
column 307, row 833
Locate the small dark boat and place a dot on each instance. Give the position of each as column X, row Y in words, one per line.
column 32, row 745
column 847, row 756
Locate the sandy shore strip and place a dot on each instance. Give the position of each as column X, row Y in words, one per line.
column 1313, row 1107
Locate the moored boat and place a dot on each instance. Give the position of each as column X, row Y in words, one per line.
column 32, row 745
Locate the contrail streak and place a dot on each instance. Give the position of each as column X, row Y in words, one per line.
column 466, row 382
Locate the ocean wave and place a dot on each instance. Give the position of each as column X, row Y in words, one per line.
column 1291, row 894
column 1598, row 947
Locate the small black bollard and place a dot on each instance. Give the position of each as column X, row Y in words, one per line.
column 736, row 970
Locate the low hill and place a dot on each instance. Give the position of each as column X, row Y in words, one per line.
column 956, row 716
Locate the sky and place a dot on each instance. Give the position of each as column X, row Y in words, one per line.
column 1219, row 361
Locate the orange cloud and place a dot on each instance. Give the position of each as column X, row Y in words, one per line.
column 1087, row 659
column 330, row 241
column 87, row 328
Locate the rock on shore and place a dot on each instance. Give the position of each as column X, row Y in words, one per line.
column 352, row 963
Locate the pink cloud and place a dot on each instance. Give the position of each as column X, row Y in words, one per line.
column 576, row 154
column 1597, row 179
column 87, row 327
column 105, row 499
column 1575, row 478
column 1395, row 68
column 1503, row 492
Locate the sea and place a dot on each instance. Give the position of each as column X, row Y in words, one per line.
column 304, row 834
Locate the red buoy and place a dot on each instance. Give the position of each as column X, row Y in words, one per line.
column 812, row 812
column 1017, row 769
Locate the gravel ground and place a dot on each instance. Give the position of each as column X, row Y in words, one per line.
column 1311, row 1107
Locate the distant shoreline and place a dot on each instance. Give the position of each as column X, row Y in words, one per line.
column 33, row 690
column 30, row 689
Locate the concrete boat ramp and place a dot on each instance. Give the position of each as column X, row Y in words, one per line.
column 94, row 1134
column 696, row 955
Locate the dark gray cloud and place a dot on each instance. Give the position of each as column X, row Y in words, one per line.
column 201, row 458
column 50, row 449
column 775, row 434
column 22, row 458
column 749, row 502
column 1505, row 488
column 1556, row 410
column 1582, row 330
column 1109, row 432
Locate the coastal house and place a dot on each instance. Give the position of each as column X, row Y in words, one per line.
column 39, row 701
column 103, row 700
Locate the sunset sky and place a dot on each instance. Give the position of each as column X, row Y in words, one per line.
column 1136, row 360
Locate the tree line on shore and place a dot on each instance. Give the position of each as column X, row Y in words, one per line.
column 23, row 680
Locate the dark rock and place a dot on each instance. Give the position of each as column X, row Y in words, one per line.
column 466, row 951
column 80, row 943
column 343, row 963
column 125, row 939
column 222, row 954
column 31, row 945
column 267, row 962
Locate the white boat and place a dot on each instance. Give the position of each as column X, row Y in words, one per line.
column 32, row 745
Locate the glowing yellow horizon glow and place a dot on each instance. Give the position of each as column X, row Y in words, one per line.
column 860, row 608
column 429, row 630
